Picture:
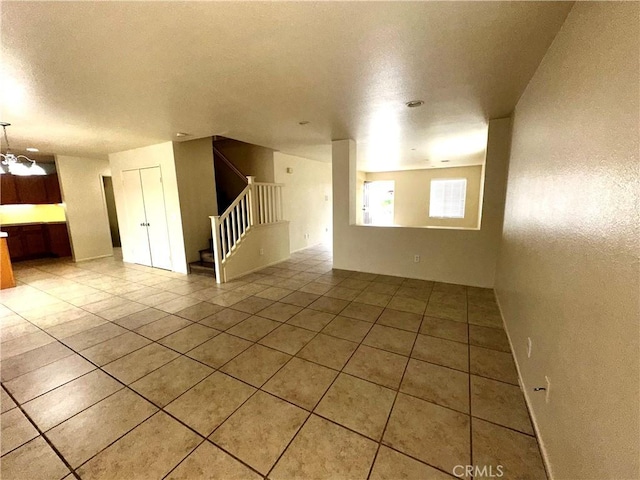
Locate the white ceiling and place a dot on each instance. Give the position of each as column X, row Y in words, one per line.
column 91, row 78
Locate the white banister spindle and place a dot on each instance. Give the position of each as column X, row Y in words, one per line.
column 217, row 250
column 228, row 232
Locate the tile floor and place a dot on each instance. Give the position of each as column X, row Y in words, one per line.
column 118, row 371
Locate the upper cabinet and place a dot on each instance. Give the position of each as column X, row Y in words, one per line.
column 29, row 190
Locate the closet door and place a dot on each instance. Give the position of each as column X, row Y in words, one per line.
column 156, row 217
column 136, row 217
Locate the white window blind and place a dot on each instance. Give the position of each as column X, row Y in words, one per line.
column 447, row 198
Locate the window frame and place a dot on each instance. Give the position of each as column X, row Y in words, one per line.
column 431, row 198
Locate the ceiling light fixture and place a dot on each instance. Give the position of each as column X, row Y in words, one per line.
column 415, row 103
column 182, row 134
column 304, row 122
column 444, row 161
column 18, row 164
column 32, row 149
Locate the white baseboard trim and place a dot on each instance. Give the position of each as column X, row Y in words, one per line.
column 527, row 400
column 92, row 258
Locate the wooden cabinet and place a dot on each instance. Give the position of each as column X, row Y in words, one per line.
column 37, row 189
column 8, row 190
column 38, row 240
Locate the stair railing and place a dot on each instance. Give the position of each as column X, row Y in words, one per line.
column 257, row 204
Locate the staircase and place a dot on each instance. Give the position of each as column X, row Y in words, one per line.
column 250, row 232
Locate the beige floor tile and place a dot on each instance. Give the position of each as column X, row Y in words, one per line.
column 390, row 339
column 15, row 430
column 121, row 311
column 517, row 453
column 224, row 319
column 499, row 403
column 209, row 462
column 252, row 305
column 288, row 339
column 6, row 403
column 56, row 318
column 37, row 382
column 151, row 450
column 260, row 430
column 447, row 329
column 328, row 351
column 355, row 283
column 317, row 288
column 165, row 384
column 102, row 305
column 256, row 365
column 229, row 299
column 343, row 293
column 115, row 348
column 137, row 364
column 443, row 352
column 280, row 312
column 362, row 311
column 274, row 293
column 35, row 461
column 24, row 344
column 158, row 299
column 219, row 350
column 253, row 328
column 329, row 305
column 82, row 324
column 18, row 328
column 347, row 328
column 250, row 288
column 377, row 366
column 33, row 359
column 197, row 312
column 300, row 299
column 431, row 433
column 437, row 384
column 385, row 288
column 93, row 336
column 323, row 450
column 486, row 315
column 487, row 337
column 392, row 465
column 493, row 364
column 477, row 294
column 446, row 311
column 458, row 300
column 450, row 288
column 403, row 320
column 141, row 318
column 417, row 293
column 357, row 404
column 163, row 327
column 84, row 435
column 406, row 304
column 301, row 382
column 83, row 300
column 58, row 405
column 371, row 298
column 208, row 404
column 311, row 319
column 188, row 338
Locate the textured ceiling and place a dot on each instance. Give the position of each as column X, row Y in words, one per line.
column 90, row 78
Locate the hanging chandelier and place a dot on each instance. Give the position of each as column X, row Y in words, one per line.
column 17, row 164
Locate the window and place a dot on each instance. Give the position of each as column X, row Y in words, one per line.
column 447, row 198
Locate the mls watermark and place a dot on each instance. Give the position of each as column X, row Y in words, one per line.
column 482, row 471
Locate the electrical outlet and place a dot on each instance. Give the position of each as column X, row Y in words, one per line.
column 262, row 251
column 548, row 390
column 529, row 346
column 416, row 259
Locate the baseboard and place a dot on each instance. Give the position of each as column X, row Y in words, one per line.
column 543, row 451
column 92, row 258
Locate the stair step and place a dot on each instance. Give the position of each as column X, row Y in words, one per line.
column 204, row 268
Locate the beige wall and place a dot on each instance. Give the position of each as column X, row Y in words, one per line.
column 568, row 267
column 86, row 210
column 249, row 159
column 458, row 256
column 413, row 192
column 306, row 199
column 262, row 246
column 155, row 155
column 197, row 192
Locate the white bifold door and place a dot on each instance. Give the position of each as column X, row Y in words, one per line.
column 147, row 217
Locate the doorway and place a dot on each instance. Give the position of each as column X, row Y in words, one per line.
column 110, row 200
column 378, row 202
